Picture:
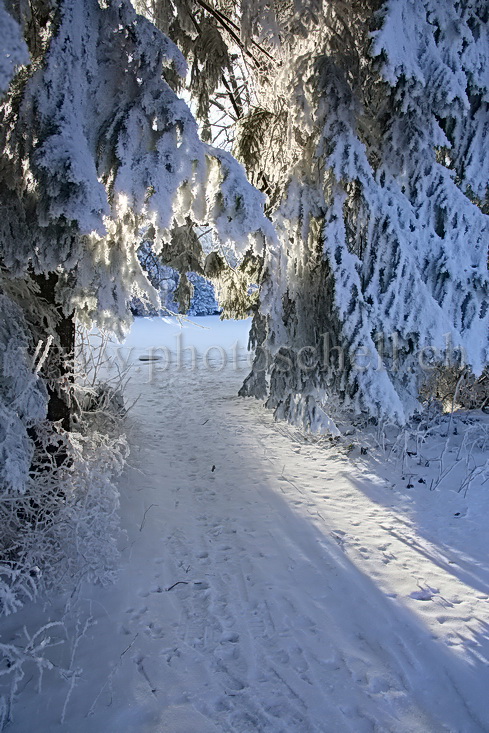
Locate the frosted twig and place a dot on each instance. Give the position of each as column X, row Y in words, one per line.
column 111, row 676
column 144, row 516
column 44, row 354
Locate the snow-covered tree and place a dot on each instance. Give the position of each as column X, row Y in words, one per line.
column 166, row 280
column 365, row 123
column 97, row 152
column 13, row 50
column 371, row 130
column 112, row 150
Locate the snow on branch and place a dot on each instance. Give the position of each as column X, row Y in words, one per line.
column 111, row 150
column 13, row 50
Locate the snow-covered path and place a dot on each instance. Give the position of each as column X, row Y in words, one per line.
column 270, row 584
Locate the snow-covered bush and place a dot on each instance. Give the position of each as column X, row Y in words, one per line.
column 97, row 389
column 57, row 500
column 63, row 526
column 28, row 655
column 23, row 397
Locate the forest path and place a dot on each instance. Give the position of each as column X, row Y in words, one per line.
column 271, row 584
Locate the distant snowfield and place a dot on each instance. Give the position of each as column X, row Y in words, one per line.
column 205, row 335
column 272, row 583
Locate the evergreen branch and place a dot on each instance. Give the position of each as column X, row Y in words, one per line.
column 236, row 106
column 229, row 25
column 223, row 109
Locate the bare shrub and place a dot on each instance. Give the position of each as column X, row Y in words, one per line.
column 455, row 387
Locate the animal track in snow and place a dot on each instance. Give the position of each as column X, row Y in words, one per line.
column 424, row 594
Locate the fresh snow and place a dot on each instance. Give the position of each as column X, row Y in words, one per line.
column 269, row 581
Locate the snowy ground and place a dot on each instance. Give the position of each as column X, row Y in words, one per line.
column 272, row 583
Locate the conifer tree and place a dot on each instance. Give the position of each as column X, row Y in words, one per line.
column 372, row 132
column 98, row 153
column 366, row 125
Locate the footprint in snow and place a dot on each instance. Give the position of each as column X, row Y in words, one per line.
column 424, row 594
column 339, row 536
column 154, row 631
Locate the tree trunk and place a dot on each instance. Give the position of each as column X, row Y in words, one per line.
column 59, row 406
